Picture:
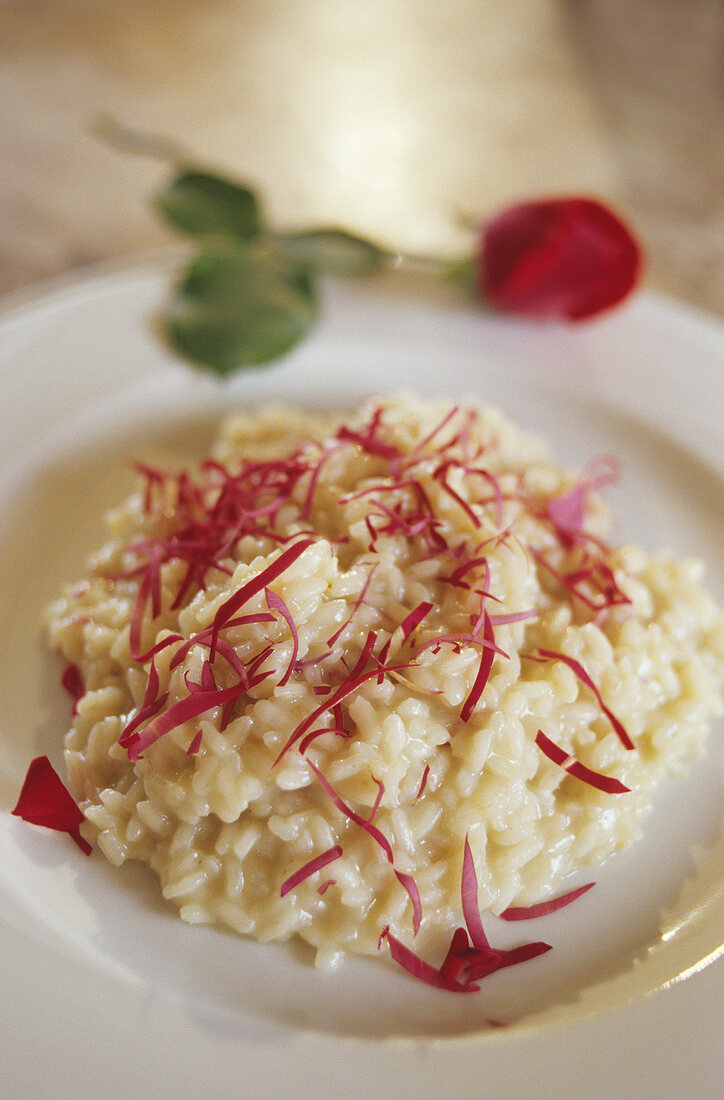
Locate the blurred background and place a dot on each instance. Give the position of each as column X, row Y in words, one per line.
column 390, row 117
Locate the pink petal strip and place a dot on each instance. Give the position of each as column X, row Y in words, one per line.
column 421, row 970
column 456, row 577
column 195, row 744
column 583, row 676
column 502, row 959
column 310, row 661
column 409, row 884
column 314, row 734
column 183, row 711
column 568, row 510
column 150, row 705
column 406, row 881
column 309, row 869
column 493, row 481
column 378, row 799
column 486, row 664
column 544, row 908
column 276, row 603
column 342, row 692
column 316, row 472
column 257, row 584
column 204, row 638
column 514, row 617
column 554, row 752
column 331, row 641
column 414, row 619
column 368, row 827
column 411, row 458
column 459, row 500
column 469, row 893
column 454, row 961
column 164, row 644
column 423, row 782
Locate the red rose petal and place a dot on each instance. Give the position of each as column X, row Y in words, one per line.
column 45, row 801
column 72, row 681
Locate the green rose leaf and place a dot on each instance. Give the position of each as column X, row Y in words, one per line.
column 463, row 272
column 209, row 206
column 240, row 308
column 332, row 251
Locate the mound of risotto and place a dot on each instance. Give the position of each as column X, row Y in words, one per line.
column 360, row 678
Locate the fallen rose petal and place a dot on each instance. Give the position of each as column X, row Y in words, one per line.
column 566, row 259
column 45, row 801
column 72, row 681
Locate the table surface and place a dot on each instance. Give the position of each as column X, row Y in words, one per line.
column 391, row 119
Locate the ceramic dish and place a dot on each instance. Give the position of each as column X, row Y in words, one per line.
column 102, row 969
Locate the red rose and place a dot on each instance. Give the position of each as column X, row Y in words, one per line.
column 566, row 259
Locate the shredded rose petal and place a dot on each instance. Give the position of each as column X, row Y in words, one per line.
column 414, row 619
column 567, row 511
column 483, row 967
column 378, row 798
column 594, row 584
column 513, row 617
column 352, row 684
column 559, row 756
column 309, row 869
column 150, row 706
column 204, row 638
column 414, row 454
column 454, row 961
column 486, row 664
column 409, row 884
column 464, row 965
column 195, row 744
column 421, row 970
column 368, row 439
column 469, row 894
column 423, row 783
column 316, row 473
column 257, row 584
column 583, row 676
column 276, row 603
column 406, row 881
column 360, row 599
column 544, row 908
column 183, row 711
column 304, row 744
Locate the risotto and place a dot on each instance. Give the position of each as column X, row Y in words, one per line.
column 355, row 661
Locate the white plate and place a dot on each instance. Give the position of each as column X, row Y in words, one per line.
column 105, row 991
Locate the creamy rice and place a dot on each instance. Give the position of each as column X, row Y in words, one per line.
column 397, row 520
